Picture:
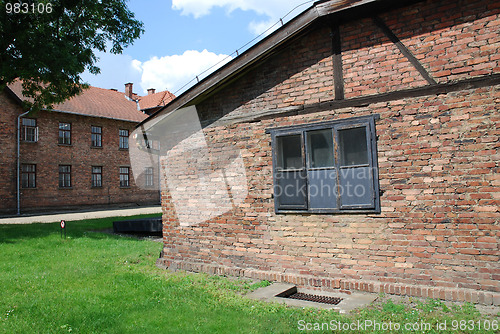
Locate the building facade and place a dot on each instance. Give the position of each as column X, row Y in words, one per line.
column 398, row 100
column 73, row 156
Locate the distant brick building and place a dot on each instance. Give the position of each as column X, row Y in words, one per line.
column 74, row 155
column 399, row 100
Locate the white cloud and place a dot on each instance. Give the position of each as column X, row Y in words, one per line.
column 173, row 72
column 116, row 70
column 258, row 27
column 273, row 10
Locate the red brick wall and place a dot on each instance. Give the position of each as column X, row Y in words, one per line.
column 438, row 232
column 8, row 120
column 47, row 154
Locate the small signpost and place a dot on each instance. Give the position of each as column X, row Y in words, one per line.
column 63, row 227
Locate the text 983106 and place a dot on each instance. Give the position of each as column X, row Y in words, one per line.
column 28, row 7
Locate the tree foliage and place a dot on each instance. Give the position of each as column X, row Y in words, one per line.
column 49, row 43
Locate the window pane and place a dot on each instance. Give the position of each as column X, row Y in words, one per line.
column 320, row 148
column 96, row 176
column 353, row 148
column 28, row 168
column 124, row 176
column 123, row 138
column 29, row 122
column 290, row 152
column 290, row 190
column 28, row 176
column 322, row 188
column 356, row 188
column 64, row 176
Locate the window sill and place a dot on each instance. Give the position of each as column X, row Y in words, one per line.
column 122, row 149
column 65, row 188
column 35, row 188
column 128, row 187
column 29, row 142
column 59, row 144
column 96, row 147
column 329, row 211
column 96, row 187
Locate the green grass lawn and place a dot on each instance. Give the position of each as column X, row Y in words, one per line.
column 94, row 282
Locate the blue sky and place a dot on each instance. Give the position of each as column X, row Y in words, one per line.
column 185, row 37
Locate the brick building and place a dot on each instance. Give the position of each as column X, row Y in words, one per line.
column 74, row 155
column 355, row 148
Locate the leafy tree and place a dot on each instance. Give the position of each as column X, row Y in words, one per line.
column 49, row 43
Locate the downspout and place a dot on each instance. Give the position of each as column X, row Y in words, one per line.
column 159, row 171
column 19, row 160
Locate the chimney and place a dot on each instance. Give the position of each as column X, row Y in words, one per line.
column 128, row 90
column 151, row 91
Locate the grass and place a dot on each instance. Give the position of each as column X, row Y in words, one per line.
column 94, row 282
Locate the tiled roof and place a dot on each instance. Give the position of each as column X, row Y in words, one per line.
column 159, row 99
column 97, row 102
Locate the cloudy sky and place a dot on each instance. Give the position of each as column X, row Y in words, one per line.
column 184, row 38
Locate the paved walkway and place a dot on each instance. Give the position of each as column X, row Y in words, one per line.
column 57, row 217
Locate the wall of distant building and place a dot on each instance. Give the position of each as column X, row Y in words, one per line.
column 67, row 160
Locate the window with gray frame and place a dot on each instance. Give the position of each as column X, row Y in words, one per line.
column 149, row 177
column 96, row 176
column 123, row 134
column 65, row 133
column 28, row 175
column 64, row 176
column 29, row 130
column 124, row 177
column 96, row 136
column 328, row 167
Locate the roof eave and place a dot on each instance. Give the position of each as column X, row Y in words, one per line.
column 88, row 115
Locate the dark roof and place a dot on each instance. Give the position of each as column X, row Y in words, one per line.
column 96, row 102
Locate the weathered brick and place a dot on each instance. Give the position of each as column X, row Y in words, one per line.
column 438, row 159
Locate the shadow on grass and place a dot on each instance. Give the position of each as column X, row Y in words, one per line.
column 11, row 233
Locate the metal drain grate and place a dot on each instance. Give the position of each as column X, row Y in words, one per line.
column 315, row 298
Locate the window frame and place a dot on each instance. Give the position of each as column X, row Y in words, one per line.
column 61, row 139
column 66, row 178
column 149, row 177
column 96, row 137
column 93, row 177
column 336, row 126
column 127, row 185
column 25, row 127
column 123, row 139
column 28, row 174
